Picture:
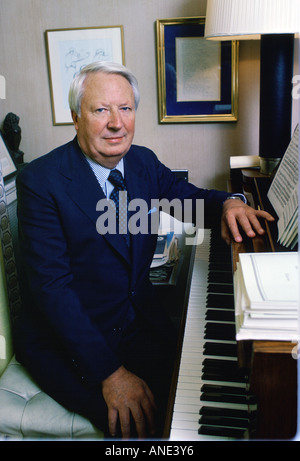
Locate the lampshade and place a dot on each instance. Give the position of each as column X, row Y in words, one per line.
column 248, row 19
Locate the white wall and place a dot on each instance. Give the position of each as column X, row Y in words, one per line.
column 204, row 149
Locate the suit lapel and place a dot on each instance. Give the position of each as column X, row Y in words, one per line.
column 84, row 190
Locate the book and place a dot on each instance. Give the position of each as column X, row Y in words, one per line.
column 283, row 194
column 165, row 262
column 266, row 296
column 161, row 247
column 164, row 249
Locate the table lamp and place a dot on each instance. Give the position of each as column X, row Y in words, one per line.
column 274, row 23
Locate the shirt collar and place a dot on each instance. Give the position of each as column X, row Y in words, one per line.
column 102, row 173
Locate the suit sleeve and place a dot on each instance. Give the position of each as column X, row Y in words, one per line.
column 171, row 187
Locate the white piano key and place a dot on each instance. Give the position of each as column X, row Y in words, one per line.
column 182, row 407
column 182, row 379
column 188, row 385
column 186, row 425
column 185, row 416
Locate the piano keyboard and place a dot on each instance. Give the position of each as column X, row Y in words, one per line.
column 212, row 399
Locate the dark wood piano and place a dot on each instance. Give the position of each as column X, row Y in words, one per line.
column 224, row 389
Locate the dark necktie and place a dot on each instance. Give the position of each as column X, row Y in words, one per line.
column 116, row 179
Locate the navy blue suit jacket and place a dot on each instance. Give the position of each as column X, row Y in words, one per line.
column 81, row 285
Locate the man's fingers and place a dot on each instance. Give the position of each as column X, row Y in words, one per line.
column 144, row 415
column 265, row 215
column 247, row 225
column 140, row 422
column 149, row 408
column 124, row 416
column 256, row 225
column 233, row 228
column 112, row 421
column 225, row 233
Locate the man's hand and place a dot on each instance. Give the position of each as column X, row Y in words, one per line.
column 235, row 213
column 127, row 395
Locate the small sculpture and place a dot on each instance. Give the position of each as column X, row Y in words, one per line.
column 12, row 138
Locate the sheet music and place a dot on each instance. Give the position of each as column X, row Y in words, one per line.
column 283, row 193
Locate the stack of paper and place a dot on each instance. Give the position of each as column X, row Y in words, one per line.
column 266, row 290
column 164, row 267
column 164, row 251
column 283, row 194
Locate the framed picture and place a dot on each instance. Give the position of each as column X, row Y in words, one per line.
column 197, row 78
column 7, row 165
column 68, row 51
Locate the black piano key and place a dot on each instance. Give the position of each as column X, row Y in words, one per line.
column 219, row 288
column 222, row 432
column 223, row 266
column 229, row 374
column 219, row 277
column 215, row 370
column 226, row 394
column 224, row 331
column 207, row 376
column 218, row 331
column 220, row 301
column 226, row 398
column 215, row 420
column 217, row 248
column 220, row 315
column 231, row 390
column 228, row 412
column 220, row 364
column 220, row 349
column 228, row 370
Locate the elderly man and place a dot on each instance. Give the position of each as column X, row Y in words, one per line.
column 91, row 331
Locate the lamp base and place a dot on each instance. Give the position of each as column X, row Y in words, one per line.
column 277, row 52
column 268, row 165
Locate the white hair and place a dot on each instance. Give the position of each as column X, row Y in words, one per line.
column 77, row 86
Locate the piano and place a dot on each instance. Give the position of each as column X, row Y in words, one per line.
column 223, row 389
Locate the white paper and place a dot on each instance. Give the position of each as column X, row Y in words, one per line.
column 271, row 278
column 283, row 194
column 6, row 163
column 266, row 295
column 198, row 69
column 285, row 182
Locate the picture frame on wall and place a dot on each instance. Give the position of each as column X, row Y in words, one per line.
column 68, row 51
column 197, row 78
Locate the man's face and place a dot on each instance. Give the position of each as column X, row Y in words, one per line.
column 105, row 128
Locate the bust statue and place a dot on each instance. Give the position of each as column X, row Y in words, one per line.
column 12, row 137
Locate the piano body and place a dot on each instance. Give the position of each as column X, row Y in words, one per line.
column 224, row 389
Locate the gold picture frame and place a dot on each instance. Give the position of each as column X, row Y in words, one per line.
column 197, row 78
column 68, row 50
